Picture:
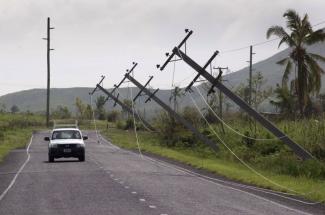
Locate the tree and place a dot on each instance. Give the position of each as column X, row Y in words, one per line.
column 3, row 108
column 259, row 95
column 88, row 114
column 100, row 102
column 192, row 115
column 175, row 94
column 309, row 72
column 61, row 112
column 285, row 101
column 81, row 107
column 113, row 116
column 14, row 109
column 128, row 103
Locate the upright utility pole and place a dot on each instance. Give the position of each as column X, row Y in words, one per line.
column 48, row 38
column 250, row 74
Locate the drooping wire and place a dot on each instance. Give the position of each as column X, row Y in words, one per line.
column 244, row 163
column 94, row 118
column 134, row 123
column 229, row 127
column 137, row 112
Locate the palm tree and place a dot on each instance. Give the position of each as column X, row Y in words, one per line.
column 309, row 72
column 175, row 94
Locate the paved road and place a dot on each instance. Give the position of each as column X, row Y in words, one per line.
column 115, row 181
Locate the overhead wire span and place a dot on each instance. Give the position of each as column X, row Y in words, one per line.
column 94, row 118
column 232, row 129
column 134, row 124
column 243, row 162
column 140, row 118
column 261, row 43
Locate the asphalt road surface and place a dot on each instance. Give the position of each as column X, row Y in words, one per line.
column 115, row 181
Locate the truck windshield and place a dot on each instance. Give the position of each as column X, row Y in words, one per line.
column 66, row 134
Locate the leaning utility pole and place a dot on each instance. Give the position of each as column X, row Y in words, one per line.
column 300, row 151
column 48, row 72
column 125, row 107
column 176, row 116
column 117, row 101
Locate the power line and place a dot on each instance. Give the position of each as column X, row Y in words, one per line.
column 260, row 43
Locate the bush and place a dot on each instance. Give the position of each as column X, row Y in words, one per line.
column 113, row 116
column 129, row 124
column 120, row 124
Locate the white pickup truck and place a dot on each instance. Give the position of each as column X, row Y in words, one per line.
column 66, row 142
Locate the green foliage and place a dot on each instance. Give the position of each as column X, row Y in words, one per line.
column 300, row 35
column 175, row 95
column 61, row 113
column 14, row 109
column 168, row 129
column 80, row 108
column 283, row 168
column 112, row 116
column 88, row 114
column 192, row 115
column 100, row 111
column 15, row 130
column 285, row 101
column 129, row 124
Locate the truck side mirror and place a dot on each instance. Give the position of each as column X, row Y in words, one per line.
column 46, row 138
column 85, row 137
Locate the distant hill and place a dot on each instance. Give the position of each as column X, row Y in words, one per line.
column 34, row 99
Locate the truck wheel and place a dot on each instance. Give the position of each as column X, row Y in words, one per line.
column 82, row 158
column 51, row 158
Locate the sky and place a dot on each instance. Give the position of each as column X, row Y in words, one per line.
column 104, row 37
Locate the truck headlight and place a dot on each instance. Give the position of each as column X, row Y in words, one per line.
column 79, row 146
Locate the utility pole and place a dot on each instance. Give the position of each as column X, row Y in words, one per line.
column 125, row 107
column 251, row 84
column 301, row 152
column 48, row 38
column 173, row 113
column 250, row 74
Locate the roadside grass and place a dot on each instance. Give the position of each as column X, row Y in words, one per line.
column 312, row 189
column 16, row 130
column 14, row 139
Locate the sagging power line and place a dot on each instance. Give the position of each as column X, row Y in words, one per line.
column 300, row 152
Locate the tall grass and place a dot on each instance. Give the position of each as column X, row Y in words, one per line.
column 16, row 129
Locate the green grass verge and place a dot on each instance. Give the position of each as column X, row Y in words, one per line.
column 314, row 189
column 14, row 139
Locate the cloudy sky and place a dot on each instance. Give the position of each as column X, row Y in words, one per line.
column 103, row 37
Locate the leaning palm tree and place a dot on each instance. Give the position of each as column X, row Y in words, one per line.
column 309, row 72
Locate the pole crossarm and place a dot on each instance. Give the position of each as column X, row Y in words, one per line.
column 122, row 81
column 174, row 114
column 188, row 88
column 301, row 152
column 124, row 106
column 216, row 80
column 141, row 89
column 149, row 98
column 189, row 33
column 94, row 90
